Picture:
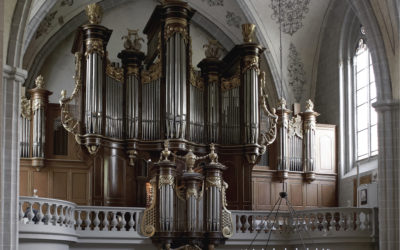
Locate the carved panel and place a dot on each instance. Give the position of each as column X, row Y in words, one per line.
column 325, row 148
column 24, row 183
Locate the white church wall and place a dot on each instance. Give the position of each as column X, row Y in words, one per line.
column 58, row 68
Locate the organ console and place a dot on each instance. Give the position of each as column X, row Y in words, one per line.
column 211, row 126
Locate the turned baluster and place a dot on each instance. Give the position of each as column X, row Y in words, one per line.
column 105, row 221
column 47, row 216
column 131, row 222
column 87, row 220
column 78, row 220
column 55, row 215
column 246, row 224
column 123, row 221
column 358, row 221
column 39, row 214
column 238, row 224
column 30, row 214
column 96, row 221
column 114, row 222
column 21, row 212
column 62, row 215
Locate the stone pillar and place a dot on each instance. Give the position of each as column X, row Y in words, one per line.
column 389, row 174
column 9, row 155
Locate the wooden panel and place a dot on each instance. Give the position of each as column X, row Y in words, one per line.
column 296, row 194
column 60, row 190
column 325, row 148
column 79, row 185
column 261, row 193
column 24, row 183
column 328, row 195
column 312, row 195
column 40, row 182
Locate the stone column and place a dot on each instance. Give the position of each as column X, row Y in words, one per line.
column 9, row 155
column 389, row 174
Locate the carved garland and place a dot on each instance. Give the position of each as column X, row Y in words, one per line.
column 232, row 82
column 25, row 108
column 114, row 72
column 196, row 80
column 153, row 73
column 94, row 46
column 176, row 25
column 250, row 62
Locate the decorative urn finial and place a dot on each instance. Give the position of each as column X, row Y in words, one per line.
column 247, row 32
column 94, row 13
column 136, row 43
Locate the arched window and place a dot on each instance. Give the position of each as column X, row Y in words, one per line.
column 365, row 117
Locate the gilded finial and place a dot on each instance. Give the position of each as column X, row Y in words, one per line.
column 309, row 106
column 213, row 49
column 63, row 94
column 165, row 153
column 39, row 82
column 247, row 32
column 94, row 13
column 213, row 156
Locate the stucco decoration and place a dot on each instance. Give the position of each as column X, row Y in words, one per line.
column 297, row 75
column 291, row 14
column 233, row 20
column 45, row 24
column 212, row 3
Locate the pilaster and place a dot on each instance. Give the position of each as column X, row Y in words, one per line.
column 9, row 155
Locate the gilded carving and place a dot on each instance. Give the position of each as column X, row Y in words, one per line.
column 25, row 108
column 39, row 82
column 192, row 192
column 67, row 120
column 231, row 82
column 213, row 181
column 176, row 25
column 247, row 32
column 114, row 72
column 227, row 223
column 195, row 79
column 213, row 49
column 135, row 43
column 166, row 180
column 149, row 215
column 94, row 45
column 153, row 73
column 268, row 137
column 250, row 62
column 37, row 104
column 94, row 13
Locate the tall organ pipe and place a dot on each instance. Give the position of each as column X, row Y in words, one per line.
column 39, row 98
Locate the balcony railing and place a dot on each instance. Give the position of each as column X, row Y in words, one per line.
column 333, row 228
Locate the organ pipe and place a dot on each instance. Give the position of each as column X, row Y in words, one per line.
column 25, row 128
column 40, row 99
column 309, row 117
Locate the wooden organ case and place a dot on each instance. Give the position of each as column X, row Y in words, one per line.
column 120, row 117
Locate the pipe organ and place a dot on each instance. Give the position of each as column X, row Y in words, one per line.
column 211, row 126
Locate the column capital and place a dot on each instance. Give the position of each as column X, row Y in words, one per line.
column 14, row 73
column 386, row 105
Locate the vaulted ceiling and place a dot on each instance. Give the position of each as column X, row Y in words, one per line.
column 302, row 27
